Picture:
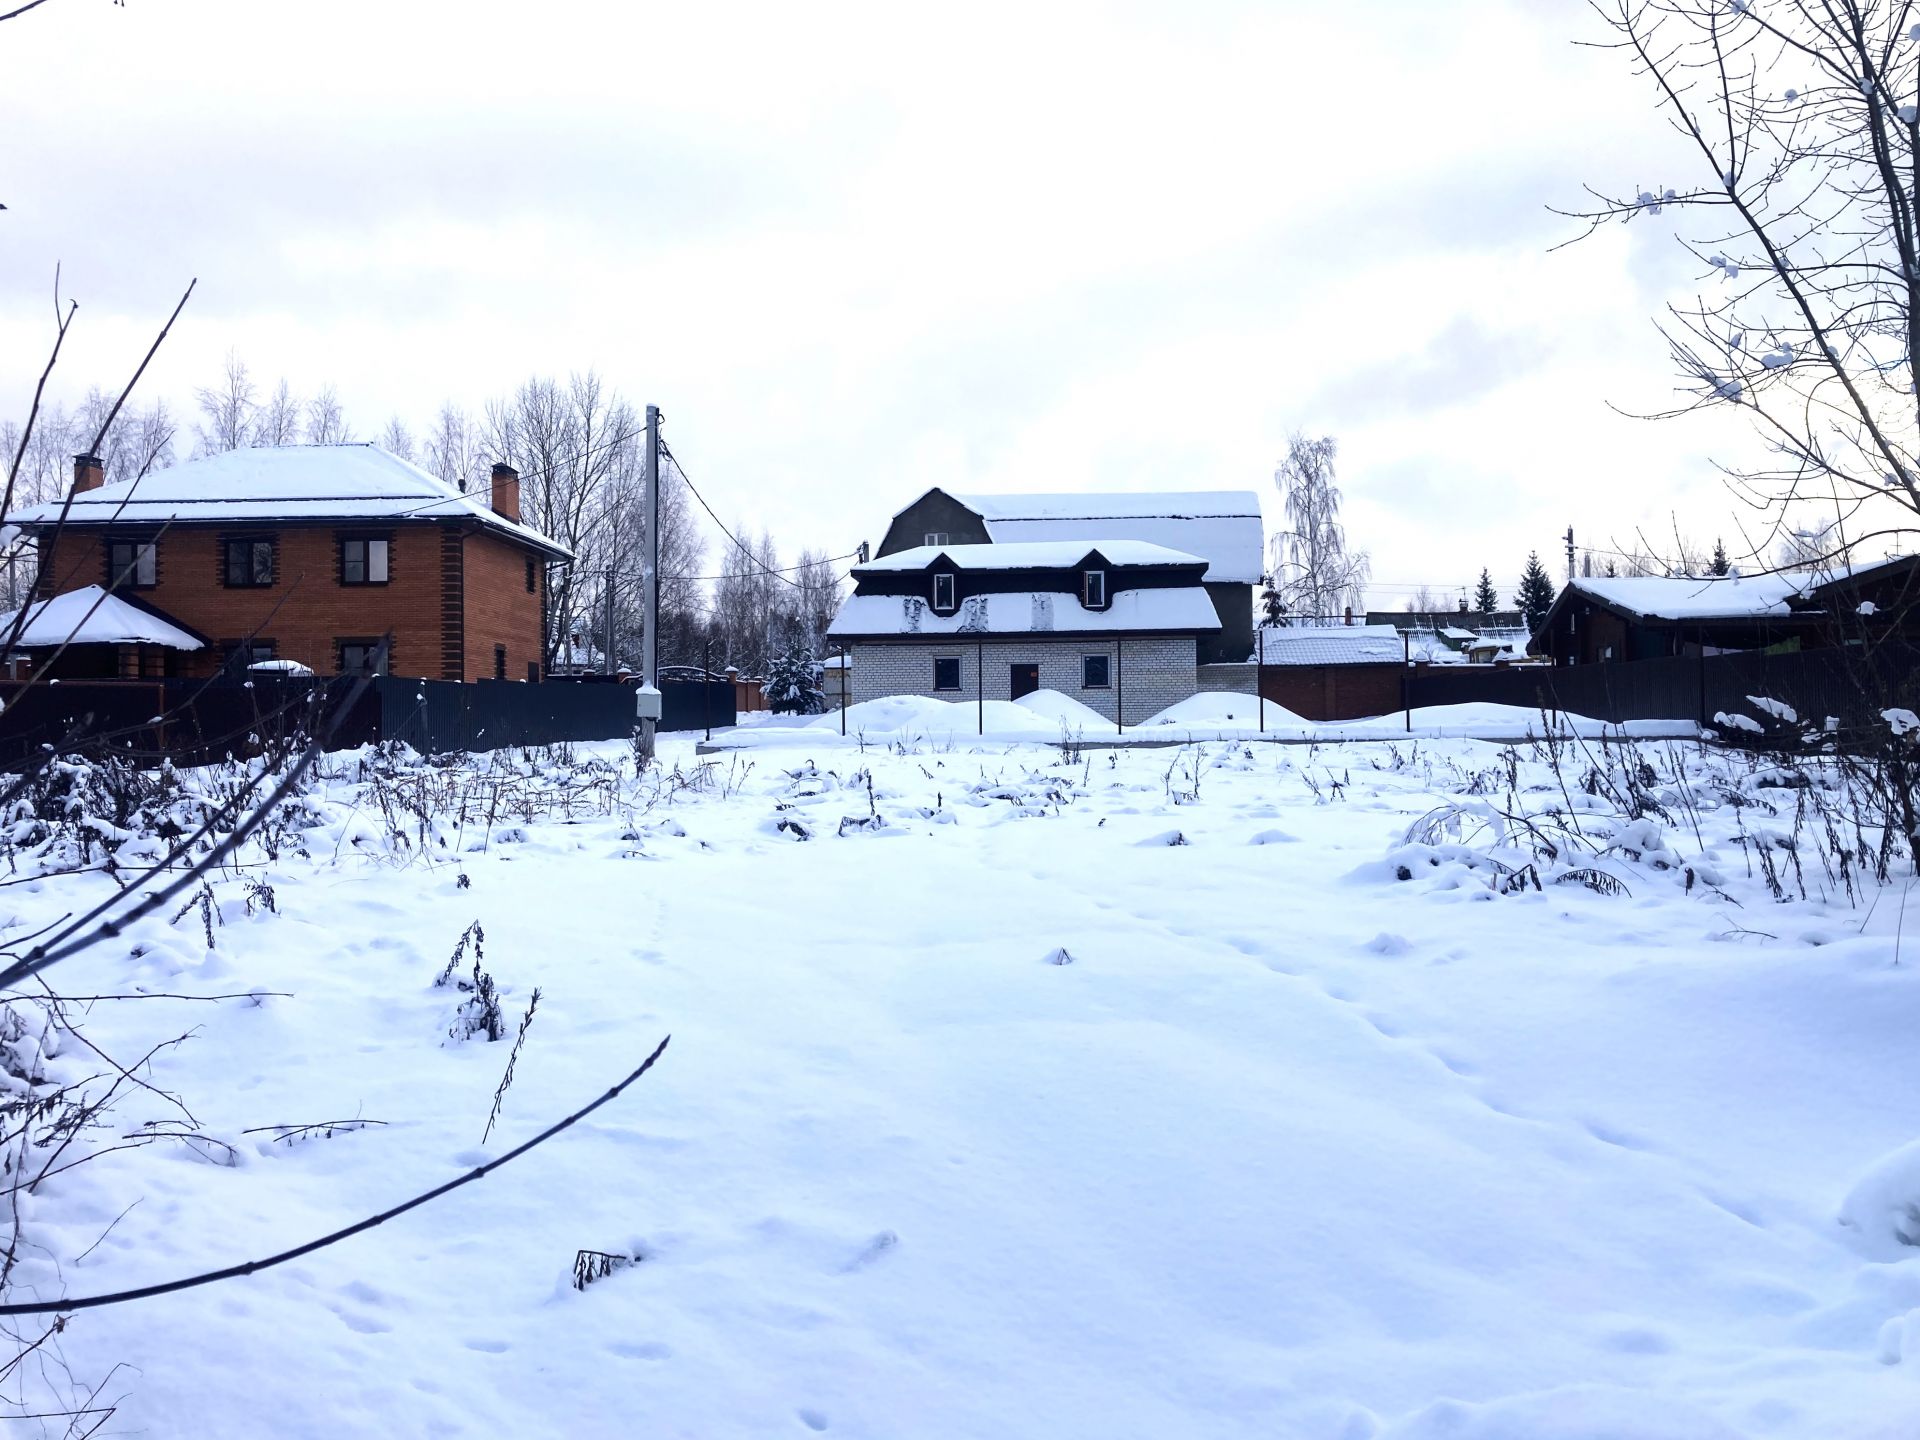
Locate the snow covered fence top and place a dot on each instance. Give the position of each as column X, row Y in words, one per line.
column 1332, row 645
column 1223, row 527
column 285, row 483
column 1185, row 608
column 90, row 616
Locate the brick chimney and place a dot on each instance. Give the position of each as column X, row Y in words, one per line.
column 88, row 474
column 506, row 492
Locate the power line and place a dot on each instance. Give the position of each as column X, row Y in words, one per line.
column 680, row 470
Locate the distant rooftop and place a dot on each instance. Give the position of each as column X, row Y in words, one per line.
column 289, row 482
column 1031, row 555
column 1331, row 645
column 1223, row 527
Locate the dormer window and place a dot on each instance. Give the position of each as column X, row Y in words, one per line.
column 943, row 594
column 1093, row 589
column 936, row 537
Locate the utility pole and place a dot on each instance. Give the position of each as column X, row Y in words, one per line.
column 606, row 655
column 1571, row 572
column 648, row 707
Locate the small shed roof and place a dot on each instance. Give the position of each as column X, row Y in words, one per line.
column 1332, row 645
column 90, row 616
column 1730, row 597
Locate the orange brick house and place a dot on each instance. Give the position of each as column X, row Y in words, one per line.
column 304, row 553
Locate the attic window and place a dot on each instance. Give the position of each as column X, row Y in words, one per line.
column 1093, row 589
column 936, row 537
column 943, row 594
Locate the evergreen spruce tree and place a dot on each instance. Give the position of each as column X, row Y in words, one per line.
column 1535, row 596
column 1273, row 609
column 793, row 686
column 1484, row 599
column 1719, row 565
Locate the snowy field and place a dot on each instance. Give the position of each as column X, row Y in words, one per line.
column 1014, row 1093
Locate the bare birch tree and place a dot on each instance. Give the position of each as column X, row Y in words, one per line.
column 326, row 421
column 279, row 419
column 1315, row 570
column 228, row 407
column 1803, row 117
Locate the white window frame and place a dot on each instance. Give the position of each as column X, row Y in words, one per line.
column 944, row 582
column 938, row 537
column 1093, row 589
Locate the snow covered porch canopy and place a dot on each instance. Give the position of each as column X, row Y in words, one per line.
column 91, row 634
column 1117, row 625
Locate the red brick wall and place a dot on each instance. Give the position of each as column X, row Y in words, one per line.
column 315, row 611
column 499, row 608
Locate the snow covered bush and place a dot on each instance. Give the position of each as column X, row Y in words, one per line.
column 1882, row 1211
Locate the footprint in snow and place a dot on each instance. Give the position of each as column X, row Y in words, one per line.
column 812, row 1419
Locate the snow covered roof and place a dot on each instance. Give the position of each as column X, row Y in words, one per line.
column 1223, row 527
column 1028, row 612
column 1332, row 645
column 288, row 482
column 90, row 616
column 1030, row 555
column 1656, row 597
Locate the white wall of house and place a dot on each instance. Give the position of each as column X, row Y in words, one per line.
column 1146, row 673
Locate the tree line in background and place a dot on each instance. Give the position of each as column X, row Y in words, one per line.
column 580, row 449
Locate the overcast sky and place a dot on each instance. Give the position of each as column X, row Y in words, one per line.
column 853, row 252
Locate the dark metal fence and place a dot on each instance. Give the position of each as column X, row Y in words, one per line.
column 196, row 721
column 1851, row 686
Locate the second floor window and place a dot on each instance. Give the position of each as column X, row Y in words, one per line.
column 533, row 579
column 249, row 564
column 363, row 562
column 936, row 537
column 943, row 593
column 132, row 563
column 1094, row 589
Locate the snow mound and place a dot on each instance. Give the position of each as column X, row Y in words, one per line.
column 1882, row 1211
column 1064, row 710
column 921, row 717
column 1220, row 708
column 1575, row 1412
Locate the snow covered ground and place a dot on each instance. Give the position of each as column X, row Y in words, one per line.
column 1133, row 1094
column 1048, row 715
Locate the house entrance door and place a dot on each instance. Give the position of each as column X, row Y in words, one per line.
column 1024, row 680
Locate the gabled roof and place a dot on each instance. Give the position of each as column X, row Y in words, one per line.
column 1183, row 609
column 282, row 483
column 1028, row 555
column 90, row 616
column 1223, row 527
column 1332, row 645
column 1656, row 597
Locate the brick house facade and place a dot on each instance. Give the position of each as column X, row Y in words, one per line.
column 311, row 554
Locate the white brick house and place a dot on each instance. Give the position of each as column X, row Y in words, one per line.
column 1116, row 625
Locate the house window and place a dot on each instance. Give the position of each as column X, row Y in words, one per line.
column 499, row 662
column 936, row 537
column 1093, row 589
column 132, row 564
column 363, row 562
column 533, row 578
column 946, row 672
column 943, row 593
column 1096, row 672
column 363, row 657
column 249, row 564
